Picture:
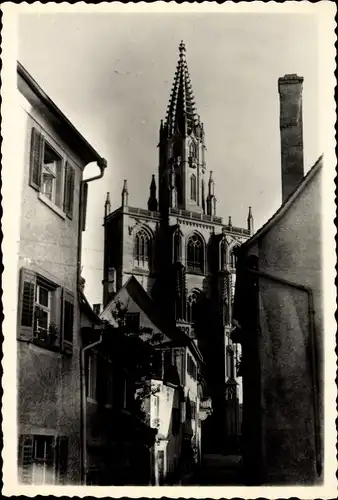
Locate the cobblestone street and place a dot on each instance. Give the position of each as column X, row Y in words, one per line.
column 216, row 470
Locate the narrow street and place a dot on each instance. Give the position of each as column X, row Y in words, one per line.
column 217, row 470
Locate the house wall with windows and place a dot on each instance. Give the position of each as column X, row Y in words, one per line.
column 48, row 344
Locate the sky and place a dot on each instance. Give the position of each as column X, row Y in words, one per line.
column 111, row 74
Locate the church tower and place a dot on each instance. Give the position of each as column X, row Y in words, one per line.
column 181, row 147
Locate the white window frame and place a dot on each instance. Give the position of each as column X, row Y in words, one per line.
column 58, row 188
column 43, row 463
column 38, row 305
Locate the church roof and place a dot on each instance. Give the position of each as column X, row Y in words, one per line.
column 181, row 103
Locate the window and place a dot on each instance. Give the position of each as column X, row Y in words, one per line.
column 177, row 243
column 133, row 322
column 142, row 248
column 191, row 367
column 42, row 459
column 92, row 377
column 156, row 411
column 195, row 254
column 46, row 312
column 230, row 363
column 193, row 187
column 47, row 170
column 193, row 150
column 191, row 306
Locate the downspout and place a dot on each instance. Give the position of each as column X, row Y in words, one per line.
column 313, row 359
column 102, row 164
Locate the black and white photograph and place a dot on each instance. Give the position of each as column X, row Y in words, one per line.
column 169, row 254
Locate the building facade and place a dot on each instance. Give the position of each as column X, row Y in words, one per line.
column 53, row 155
column 278, row 318
column 182, row 252
column 172, row 405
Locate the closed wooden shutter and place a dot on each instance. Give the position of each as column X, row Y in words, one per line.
column 61, row 458
column 26, row 304
column 68, row 322
column 84, row 201
column 36, row 157
column 25, row 459
column 68, row 197
column 56, row 314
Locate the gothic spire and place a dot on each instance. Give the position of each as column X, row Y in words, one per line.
column 181, row 115
column 250, row 221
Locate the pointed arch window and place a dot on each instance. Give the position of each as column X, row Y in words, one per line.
column 192, row 150
column 142, row 248
column 233, row 257
column 193, row 187
column 191, row 305
column 222, row 251
column 177, row 246
column 195, row 254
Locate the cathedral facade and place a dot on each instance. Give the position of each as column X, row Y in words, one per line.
column 183, row 254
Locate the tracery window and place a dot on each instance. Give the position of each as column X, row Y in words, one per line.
column 193, row 187
column 177, row 240
column 193, row 149
column 195, row 254
column 191, row 306
column 142, row 248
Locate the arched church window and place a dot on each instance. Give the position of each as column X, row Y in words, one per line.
column 233, row 257
column 142, row 248
column 177, row 246
column 178, row 187
column 193, row 149
column 222, row 254
column 193, row 187
column 195, row 254
column 191, row 305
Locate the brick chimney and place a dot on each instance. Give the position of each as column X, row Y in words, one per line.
column 290, row 89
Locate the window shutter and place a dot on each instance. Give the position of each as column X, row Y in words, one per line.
column 25, row 459
column 68, row 197
column 56, row 317
column 26, row 304
column 61, row 458
column 66, row 188
column 67, row 322
column 36, row 156
column 84, row 202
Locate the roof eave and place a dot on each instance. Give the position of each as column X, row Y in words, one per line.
column 84, row 149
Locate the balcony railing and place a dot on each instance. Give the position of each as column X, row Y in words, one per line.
column 195, row 216
column 142, row 211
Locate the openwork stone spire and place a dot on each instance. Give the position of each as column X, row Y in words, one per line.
column 181, row 112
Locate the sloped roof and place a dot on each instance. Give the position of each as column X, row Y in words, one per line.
column 86, row 308
column 288, row 202
column 147, row 305
column 66, row 128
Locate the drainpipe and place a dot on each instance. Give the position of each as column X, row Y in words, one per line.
column 313, row 360
column 102, row 164
column 84, row 464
